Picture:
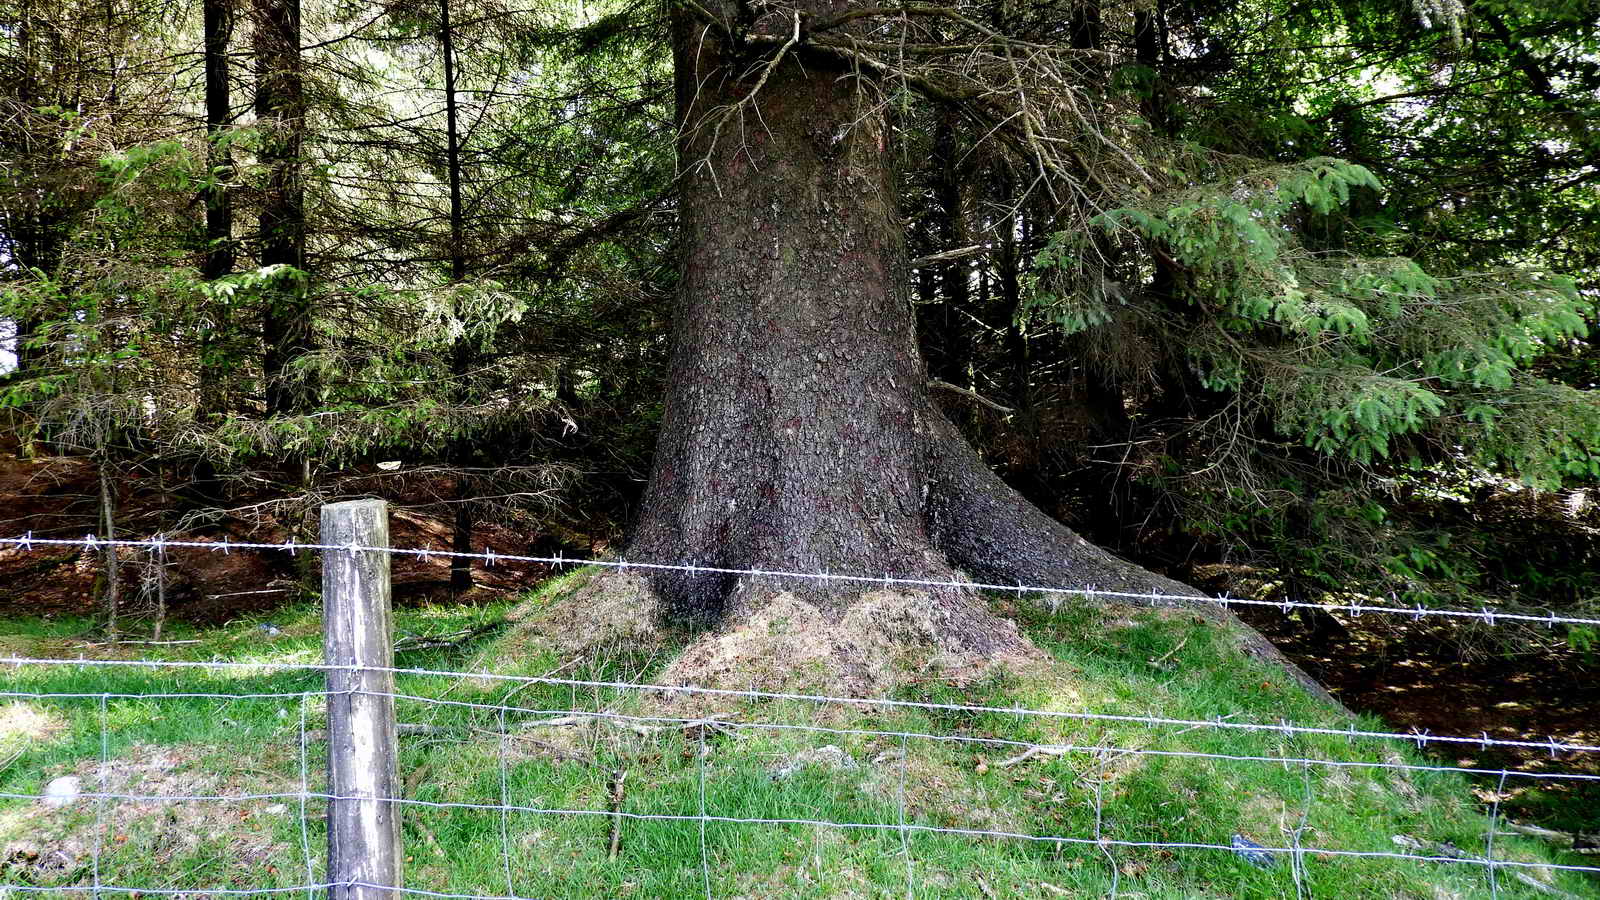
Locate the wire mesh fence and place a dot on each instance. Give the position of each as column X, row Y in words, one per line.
column 208, row 778
column 762, row 769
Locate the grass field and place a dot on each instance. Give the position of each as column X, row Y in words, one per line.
column 546, row 751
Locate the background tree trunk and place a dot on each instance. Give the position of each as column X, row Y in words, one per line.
column 280, row 110
column 219, row 258
column 461, row 354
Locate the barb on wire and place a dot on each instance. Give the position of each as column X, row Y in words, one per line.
column 1090, row 592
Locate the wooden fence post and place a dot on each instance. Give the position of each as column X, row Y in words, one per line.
column 363, row 826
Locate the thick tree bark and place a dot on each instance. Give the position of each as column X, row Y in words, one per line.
column 797, row 412
column 280, row 110
column 799, row 434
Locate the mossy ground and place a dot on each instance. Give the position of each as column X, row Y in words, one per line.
column 1095, row 659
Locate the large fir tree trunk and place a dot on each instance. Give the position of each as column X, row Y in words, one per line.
column 799, row 434
column 797, row 413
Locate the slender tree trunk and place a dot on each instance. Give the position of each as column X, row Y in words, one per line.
column 32, row 236
column 1085, row 24
column 1008, row 302
column 280, row 112
column 461, row 355
column 36, row 244
column 108, row 522
column 161, row 594
column 949, row 353
column 219, row 255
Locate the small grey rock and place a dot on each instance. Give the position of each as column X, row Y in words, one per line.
column 60, row 791
column 829, row 757
column 1253, row 853
column 270, row 630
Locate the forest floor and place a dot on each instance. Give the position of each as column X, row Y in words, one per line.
column 59, row 497
column 1440, row 677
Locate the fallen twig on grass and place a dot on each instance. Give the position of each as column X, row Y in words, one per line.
column 557, row 751
column 450, row 641
column 1450, row 850
column 1031, row 752
column 1577, row 842
column 617, row 792
column 635, row 727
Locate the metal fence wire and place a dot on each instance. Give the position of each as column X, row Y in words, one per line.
column 158, row 545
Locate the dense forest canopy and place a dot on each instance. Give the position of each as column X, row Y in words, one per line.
column 1294, row 294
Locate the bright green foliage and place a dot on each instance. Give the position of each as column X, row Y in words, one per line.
column 1345, row 353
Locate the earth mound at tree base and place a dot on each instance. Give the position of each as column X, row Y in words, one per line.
column 873, row 643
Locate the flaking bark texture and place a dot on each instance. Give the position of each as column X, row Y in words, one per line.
column 799, row 434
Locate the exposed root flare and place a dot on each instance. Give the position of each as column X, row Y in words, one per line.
column 860, row 645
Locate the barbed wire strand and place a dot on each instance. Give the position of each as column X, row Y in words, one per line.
column 180, row 798
column 490, row 557
column 1098, row 839
column 172, row 695
column 646, row 719
column 834, row 730
column 982, row 832
column 199, row 892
